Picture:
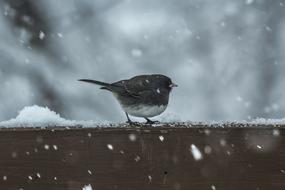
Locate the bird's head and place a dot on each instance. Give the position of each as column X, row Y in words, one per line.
column 165, row 82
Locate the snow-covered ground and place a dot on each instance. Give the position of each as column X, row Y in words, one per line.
column 36, row 116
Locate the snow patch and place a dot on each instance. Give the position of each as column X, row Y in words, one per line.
column 36, row 116
column 264, row 121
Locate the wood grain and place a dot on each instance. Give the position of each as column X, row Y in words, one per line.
column 140, row 158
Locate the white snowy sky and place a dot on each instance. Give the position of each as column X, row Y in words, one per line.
column 225, row 55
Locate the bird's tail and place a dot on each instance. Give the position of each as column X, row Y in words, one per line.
column 104, row 85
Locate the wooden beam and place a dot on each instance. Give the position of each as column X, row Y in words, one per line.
column 142, row 157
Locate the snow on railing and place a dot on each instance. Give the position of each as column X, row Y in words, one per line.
column 36, row 116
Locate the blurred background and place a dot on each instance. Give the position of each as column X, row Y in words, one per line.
column 227, row 56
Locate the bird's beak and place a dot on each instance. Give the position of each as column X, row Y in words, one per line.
column 172, row 85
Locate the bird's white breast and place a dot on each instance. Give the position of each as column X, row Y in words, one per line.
column 144, row 110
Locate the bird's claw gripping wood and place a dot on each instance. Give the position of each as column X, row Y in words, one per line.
column 129, row 121
column 148, row 121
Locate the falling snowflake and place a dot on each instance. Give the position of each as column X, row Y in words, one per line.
column 87, row 187
column 46, row 147
column 137, row 158
column 14, row 154
column 42, row 35
column 149, row 178
column 110, row 146
column 276, row 132
column 59, row 35
column 207, row 132
column 132, row 137
column 248, row 2
column 208, row 149
column 223, row 142
column 268, row 28
column 259, row 147
column 196, row 153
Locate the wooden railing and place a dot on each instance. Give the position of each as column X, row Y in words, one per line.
column 169, row 156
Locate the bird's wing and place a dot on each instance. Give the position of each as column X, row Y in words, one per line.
column 136, row 87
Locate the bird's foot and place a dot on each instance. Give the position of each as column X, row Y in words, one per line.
column 150, row 122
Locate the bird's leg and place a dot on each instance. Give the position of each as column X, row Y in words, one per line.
column 148, row 121
column 129, row 120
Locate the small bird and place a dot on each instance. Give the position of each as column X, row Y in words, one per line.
column 141, row 96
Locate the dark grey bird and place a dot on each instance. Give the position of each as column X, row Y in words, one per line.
column 141, row 96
